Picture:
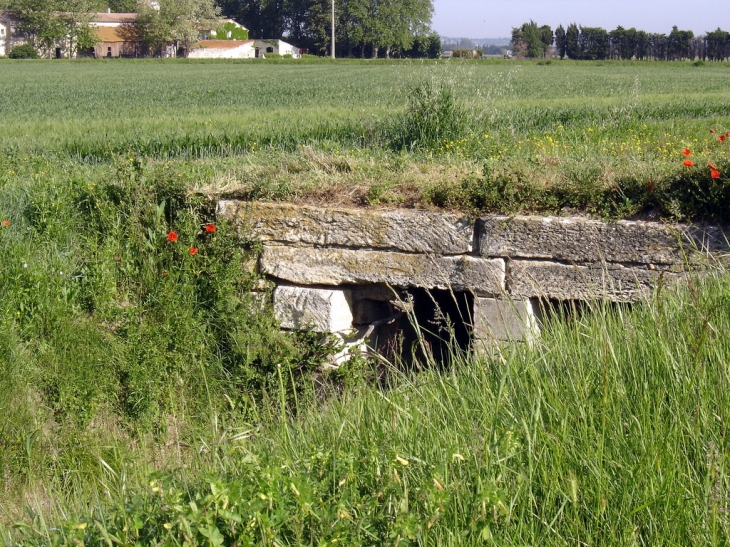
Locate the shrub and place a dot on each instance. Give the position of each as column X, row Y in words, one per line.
column 24, row 51
column 432, row 117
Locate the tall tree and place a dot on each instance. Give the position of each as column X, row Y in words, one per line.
column 717, row 45
column 572, row 36
column 176, row 22
column 560, row 41
column 50, row 24
column 528, row 39
column 593, row 43
column 679, row 44
column 546, row 38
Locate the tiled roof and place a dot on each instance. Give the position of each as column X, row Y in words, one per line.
column 120, row 18
column 221, row 44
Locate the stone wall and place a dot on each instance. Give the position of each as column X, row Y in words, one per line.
column 340, row 269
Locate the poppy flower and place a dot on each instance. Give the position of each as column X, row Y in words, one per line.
column 728, row 133
column 715, row 174
column 193, row 250
column 6, row 223
column 651, row 186
column 711, row 166
column 686, row 151
column 688, row 163
column 172, row 236
column 712, row 131
column 210, row 228
column 721, row 138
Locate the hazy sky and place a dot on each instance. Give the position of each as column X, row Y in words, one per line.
column 495, row 18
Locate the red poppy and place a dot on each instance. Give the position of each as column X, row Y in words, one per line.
column 688, row 163
column 711, row 166
column 651, row 186
column 193, row 250
column 172, row 236
column 721, row 138
column 210, row 228
column 715, row 174
column 728, row 133
column 712, row 131
column 686, row 151
column 6, row 223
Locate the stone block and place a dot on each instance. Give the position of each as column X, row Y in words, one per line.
column 321, row 310
column 533, row 279
column 504, row 320
column 318, row 266
column 402, row 230
column 584, row 240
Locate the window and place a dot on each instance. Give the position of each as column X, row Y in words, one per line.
column 269, row 50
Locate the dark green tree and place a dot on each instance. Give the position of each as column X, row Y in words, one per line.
column 546, row 38
column 572, row 37
column 560, row 41
column 642, row 45
column 679, row 44
column 121, row 6
column 717, row 45
column 593, row 43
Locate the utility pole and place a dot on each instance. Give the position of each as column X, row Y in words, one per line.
column 333, row 29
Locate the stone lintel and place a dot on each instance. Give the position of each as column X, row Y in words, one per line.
column 401, row 230
column 318, row 266
column 504, row 320
column 321, row 310
column 532, row 279
column 585, row 240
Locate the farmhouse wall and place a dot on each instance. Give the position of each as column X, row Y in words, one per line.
column 340, row 269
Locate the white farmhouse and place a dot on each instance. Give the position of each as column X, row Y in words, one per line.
column 9, row 37
column 222, row 49
column 4, row 36
column 279, row 47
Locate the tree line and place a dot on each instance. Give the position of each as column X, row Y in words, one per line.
column 48, row 24
column 363, row 28
column 596, row 43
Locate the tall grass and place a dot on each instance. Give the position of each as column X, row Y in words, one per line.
column 610, row 430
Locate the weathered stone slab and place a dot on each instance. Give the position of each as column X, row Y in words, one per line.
column 402, row 230
column 532, row 279
column 583, row 240
column 504, row 320
column 322, row 266
column 322, row 310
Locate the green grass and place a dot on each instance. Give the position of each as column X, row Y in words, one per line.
column 612, row 430
column 146, row 399
column 254, row 127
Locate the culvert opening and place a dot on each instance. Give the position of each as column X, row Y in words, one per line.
column 416, row 326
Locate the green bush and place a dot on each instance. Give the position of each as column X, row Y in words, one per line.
column 24, row 51
column 121, row 306
column 433, row 116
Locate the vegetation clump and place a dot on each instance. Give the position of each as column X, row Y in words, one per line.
column 24, row 51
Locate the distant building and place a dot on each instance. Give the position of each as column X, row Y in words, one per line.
column 279, row 47
column 117, row 42
column 4, row 35
column 222, row 49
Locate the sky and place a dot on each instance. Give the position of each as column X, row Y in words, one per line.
column 495, row 18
